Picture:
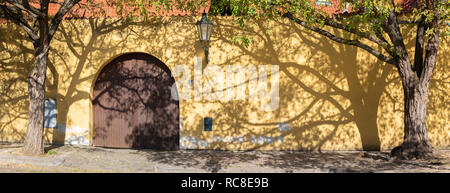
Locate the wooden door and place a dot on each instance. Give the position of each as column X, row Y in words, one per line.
column 133, row 107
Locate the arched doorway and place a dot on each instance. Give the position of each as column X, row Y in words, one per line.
column 132, row 105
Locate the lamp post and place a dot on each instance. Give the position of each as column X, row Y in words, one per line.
column 205, row 27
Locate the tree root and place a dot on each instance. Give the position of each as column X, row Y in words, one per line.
column 412, row 151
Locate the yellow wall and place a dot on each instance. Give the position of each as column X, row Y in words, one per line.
column 333, row 97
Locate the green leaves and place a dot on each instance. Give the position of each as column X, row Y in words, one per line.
column 242, row 40
column 362, row 16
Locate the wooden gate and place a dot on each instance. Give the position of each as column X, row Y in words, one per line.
column 133, row 106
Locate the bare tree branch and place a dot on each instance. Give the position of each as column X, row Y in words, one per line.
column 56, row 2
column 25, row 6
column 14, row 17
column 67, row 5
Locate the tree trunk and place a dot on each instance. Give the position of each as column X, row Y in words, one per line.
column 34, row 141
column 416, row 83
column 415, row 141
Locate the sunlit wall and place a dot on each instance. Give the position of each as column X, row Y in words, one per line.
column 330, row 96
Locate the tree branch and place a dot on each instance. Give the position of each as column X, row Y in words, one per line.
column 432, row 45
column 380, row 41
column 407, row 22
column 342, row 40
column 56, row 2
column 14, row 17
column 418, row 53
column 393, row 30
column 67, row 5
column 25, row 6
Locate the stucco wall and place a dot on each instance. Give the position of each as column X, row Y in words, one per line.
column 331, row 97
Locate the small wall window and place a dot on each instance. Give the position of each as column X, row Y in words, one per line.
column 50, row 113
column 207, row 123
column 323, row 2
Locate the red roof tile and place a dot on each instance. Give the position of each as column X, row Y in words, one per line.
column 104, row 8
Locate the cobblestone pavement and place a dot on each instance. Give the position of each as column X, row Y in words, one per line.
column 94, row 159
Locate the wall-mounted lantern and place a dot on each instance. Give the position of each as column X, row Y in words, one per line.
column 205, row 27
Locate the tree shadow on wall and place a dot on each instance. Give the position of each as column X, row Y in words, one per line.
column 134, row 91
column 75, row 47
column 333, row 84
column 72, row 42
column 106, row 39
column 16, row 59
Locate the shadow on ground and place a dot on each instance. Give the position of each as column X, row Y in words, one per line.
column 95, row 159
column 211, row 161
column 289, row 161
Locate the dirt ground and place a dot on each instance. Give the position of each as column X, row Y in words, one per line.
column 87, row 159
